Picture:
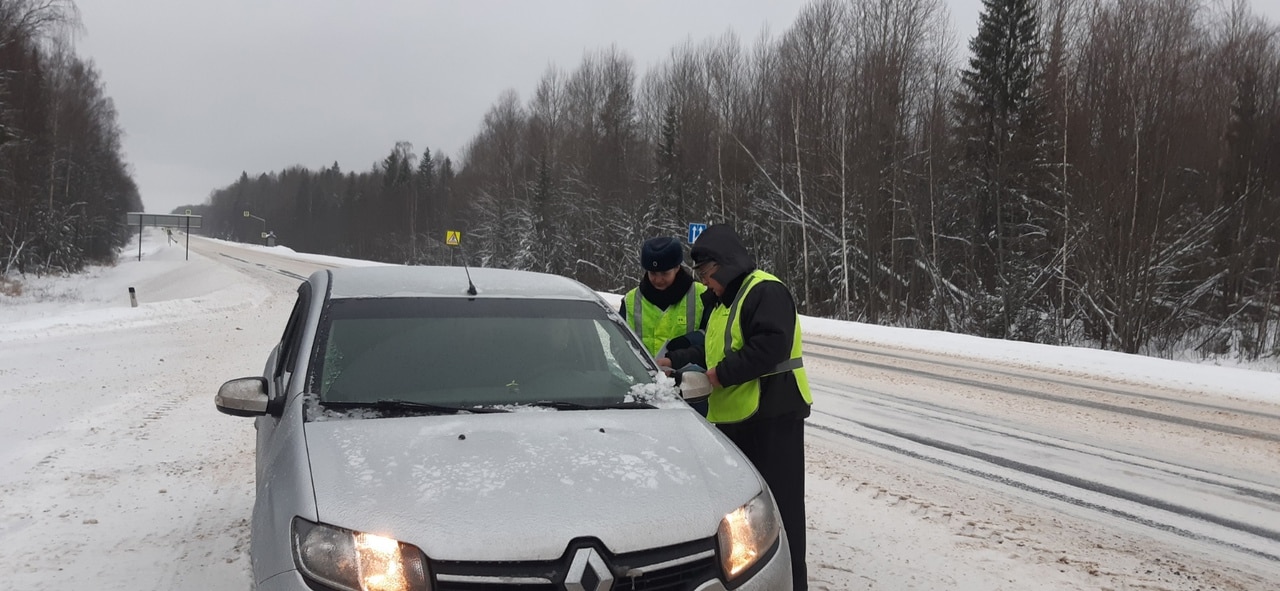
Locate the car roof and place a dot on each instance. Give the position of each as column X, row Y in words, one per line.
column 395, row 281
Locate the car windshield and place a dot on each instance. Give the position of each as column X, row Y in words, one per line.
column 462, row 352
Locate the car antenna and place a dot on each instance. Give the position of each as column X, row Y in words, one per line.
column 471, row 287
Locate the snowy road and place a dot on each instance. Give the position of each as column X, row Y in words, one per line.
column 1228, row 502
column 926, row 470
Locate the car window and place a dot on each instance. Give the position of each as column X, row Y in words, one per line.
column 474, row 352
column 289, row 342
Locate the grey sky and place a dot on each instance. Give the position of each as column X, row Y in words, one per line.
column 206, row 90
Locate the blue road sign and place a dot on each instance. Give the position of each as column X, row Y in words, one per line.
column 695, row 230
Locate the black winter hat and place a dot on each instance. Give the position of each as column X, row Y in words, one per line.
column 661, row 254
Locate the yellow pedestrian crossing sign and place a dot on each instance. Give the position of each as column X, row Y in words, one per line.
column 452, row 237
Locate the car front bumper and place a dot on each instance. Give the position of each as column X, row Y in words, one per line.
column 774, row 575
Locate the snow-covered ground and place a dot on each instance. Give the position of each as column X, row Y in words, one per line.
column 116, row 472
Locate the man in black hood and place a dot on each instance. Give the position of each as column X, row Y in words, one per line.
column 761, row 396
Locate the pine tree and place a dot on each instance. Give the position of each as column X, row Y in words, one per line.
column 1001, row 123
column 428, row 214
column 670, row 199
column 444, row 192
column 398, row 199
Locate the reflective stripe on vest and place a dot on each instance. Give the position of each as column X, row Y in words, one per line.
column 637, row 315
column 788, row 365
column 690, row 302
column 663, row 325
column 732, row 404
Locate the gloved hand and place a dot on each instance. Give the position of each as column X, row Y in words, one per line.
column 686, row 351
column 694, row 339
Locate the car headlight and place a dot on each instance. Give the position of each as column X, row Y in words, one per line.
column 354, row 561
column 747, row 534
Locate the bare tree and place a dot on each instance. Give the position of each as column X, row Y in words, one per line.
column 1110, row 173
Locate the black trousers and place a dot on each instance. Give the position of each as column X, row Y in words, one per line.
column 776, row 447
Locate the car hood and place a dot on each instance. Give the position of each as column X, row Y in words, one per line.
column 522, row 485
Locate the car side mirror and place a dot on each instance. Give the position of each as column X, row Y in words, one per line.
column 695, row 386
column 245, row 397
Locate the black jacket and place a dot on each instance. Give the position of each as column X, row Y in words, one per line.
column 665, row 298
column 768, row 319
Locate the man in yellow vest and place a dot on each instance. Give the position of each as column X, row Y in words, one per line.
column 761, row 396
column 669, row 304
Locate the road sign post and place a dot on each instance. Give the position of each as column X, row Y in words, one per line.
column 264, row 224
column 452, row 238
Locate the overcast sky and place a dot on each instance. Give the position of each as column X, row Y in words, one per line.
column 207, row 89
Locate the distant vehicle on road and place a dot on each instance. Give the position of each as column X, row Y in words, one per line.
column 417, row 431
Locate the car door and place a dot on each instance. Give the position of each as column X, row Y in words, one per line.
column 281, row 366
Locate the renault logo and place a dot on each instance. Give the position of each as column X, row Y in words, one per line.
column 588, row 572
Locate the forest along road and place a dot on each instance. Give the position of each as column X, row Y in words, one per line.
column 1192, row 472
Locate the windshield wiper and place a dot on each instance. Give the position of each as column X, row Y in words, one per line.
column 397, row 404
column 562, row 405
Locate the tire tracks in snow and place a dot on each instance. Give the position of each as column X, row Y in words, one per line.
column 1060, row 399
column 989, row 368
column 1200, row 525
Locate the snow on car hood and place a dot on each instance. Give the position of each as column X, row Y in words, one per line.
column 521, row 486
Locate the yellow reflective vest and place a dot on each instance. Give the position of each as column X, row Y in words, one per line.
column 656, row 326
column 732, row 404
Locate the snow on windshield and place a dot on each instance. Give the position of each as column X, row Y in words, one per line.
column 662, row 393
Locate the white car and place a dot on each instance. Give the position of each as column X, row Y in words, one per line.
column 418, row 431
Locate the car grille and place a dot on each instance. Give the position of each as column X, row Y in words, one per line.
column 463, row 586
column 677, row 578
column 674, row 568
